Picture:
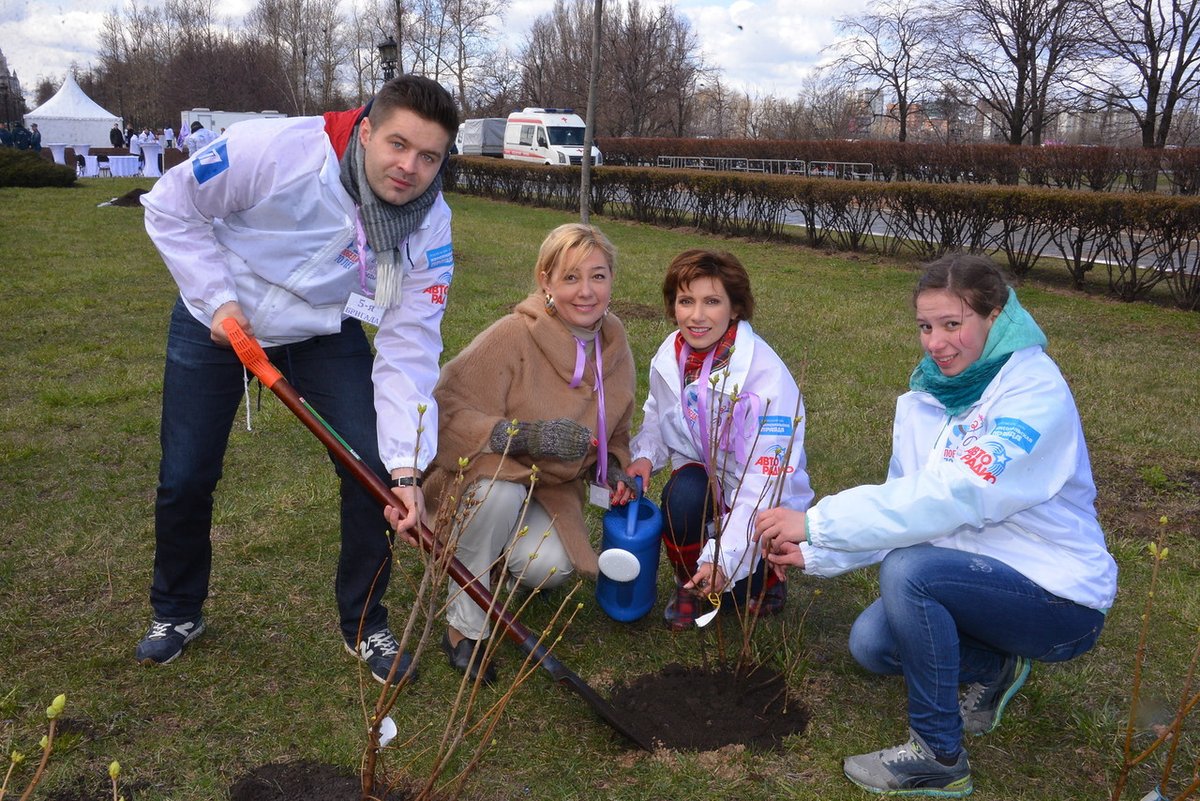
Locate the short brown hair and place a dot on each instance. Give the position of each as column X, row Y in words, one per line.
column 977, row 280
column 719, row 265
column 425, row 97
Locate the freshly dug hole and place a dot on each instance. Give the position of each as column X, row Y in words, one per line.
column 702, row 709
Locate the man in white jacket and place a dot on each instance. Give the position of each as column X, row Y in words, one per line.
column 299, row 229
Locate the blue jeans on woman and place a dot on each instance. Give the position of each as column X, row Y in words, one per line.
column 202, row 387
column 687, row 509
column 947, row 617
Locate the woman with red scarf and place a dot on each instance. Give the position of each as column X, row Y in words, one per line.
column 726, row 414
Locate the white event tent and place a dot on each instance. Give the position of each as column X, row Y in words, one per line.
column 72, row 117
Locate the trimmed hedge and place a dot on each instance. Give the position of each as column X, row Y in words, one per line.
column 1141, row 239
column 26, row 168
column 1058, row 166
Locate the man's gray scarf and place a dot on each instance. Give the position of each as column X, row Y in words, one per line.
column 386, row 226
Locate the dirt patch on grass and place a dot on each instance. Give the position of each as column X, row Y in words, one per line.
column 628, row 310
column 304, row 781
column 698, row 709
column 131, row 199
column 1131, row 500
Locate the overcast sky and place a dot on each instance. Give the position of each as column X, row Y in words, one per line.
column 762, row 46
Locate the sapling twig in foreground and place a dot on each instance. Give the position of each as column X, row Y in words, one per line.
column 47, row 745
column 722, row 430
column 1188, row 699
column 463, row 718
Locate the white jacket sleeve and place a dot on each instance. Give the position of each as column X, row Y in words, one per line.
column 180, row 209
column 1026, row 455
column 408, row 348
column 775, row 456
column 648, row 442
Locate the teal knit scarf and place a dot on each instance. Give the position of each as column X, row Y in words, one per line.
column 1013, row 330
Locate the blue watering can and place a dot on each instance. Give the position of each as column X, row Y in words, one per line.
column 625, row 587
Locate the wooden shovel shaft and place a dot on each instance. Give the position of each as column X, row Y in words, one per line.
column 251, row 354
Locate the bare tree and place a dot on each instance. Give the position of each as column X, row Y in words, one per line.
column 589, row 129
column 472, row 25
column 1148, row 61
column 331, row 48
column 829, row 109
column 1012, row 55
column 650, row 75
column 887, row 47
column 497, row 88
column 555, row 58
column 653, row 63
column 712, row 105
column 428, row 36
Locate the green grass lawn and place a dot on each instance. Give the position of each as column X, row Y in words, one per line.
column 84, row 302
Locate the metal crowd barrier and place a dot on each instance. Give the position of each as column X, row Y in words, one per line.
column 851, row 170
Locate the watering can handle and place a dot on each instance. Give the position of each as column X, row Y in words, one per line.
column 631, row 515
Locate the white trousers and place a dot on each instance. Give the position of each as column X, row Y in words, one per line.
column 496, row 520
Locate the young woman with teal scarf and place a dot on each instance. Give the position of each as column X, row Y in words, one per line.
column 990, row 553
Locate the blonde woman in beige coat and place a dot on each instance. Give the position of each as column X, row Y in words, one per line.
column 560, row 366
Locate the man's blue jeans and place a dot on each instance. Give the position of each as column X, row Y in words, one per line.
column 202, row 387
column 946, row 617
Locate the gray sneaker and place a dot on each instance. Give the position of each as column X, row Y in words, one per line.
column 982, row 704
column 164, row 640
column 910, row 769
column 379, row 650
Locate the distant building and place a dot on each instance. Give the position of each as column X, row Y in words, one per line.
column 12, row 100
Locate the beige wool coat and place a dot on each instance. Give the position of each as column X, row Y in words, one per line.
column 520, row 368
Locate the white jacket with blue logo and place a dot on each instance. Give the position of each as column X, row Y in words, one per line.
column 772, row 433
column 260, row 217
column 1008, row 478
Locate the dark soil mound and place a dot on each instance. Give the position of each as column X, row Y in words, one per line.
column 130, row 198
column 701, row 709
column 303, row 781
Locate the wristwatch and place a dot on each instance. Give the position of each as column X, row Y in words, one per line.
column 405, row 481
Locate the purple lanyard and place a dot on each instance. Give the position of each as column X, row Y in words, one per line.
column 361, row 240
column 601, row 425
column 741, row 422
column 701, row 398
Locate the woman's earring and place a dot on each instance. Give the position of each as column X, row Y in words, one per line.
column 550, row 310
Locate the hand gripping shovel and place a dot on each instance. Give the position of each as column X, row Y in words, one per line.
column 255, row 359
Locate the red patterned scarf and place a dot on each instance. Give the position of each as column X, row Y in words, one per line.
column 695, row 360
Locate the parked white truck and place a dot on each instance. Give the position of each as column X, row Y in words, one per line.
column 481, row 137
column 215, row 121
column 546, row 136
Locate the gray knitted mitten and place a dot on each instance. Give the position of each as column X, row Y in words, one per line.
column 560, row 438
column 616, row 474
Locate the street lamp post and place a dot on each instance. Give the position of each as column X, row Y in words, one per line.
column 387, row 57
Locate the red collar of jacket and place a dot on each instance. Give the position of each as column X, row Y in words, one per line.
column 340, row 124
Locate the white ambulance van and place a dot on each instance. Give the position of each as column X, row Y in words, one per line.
column 546, row 136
